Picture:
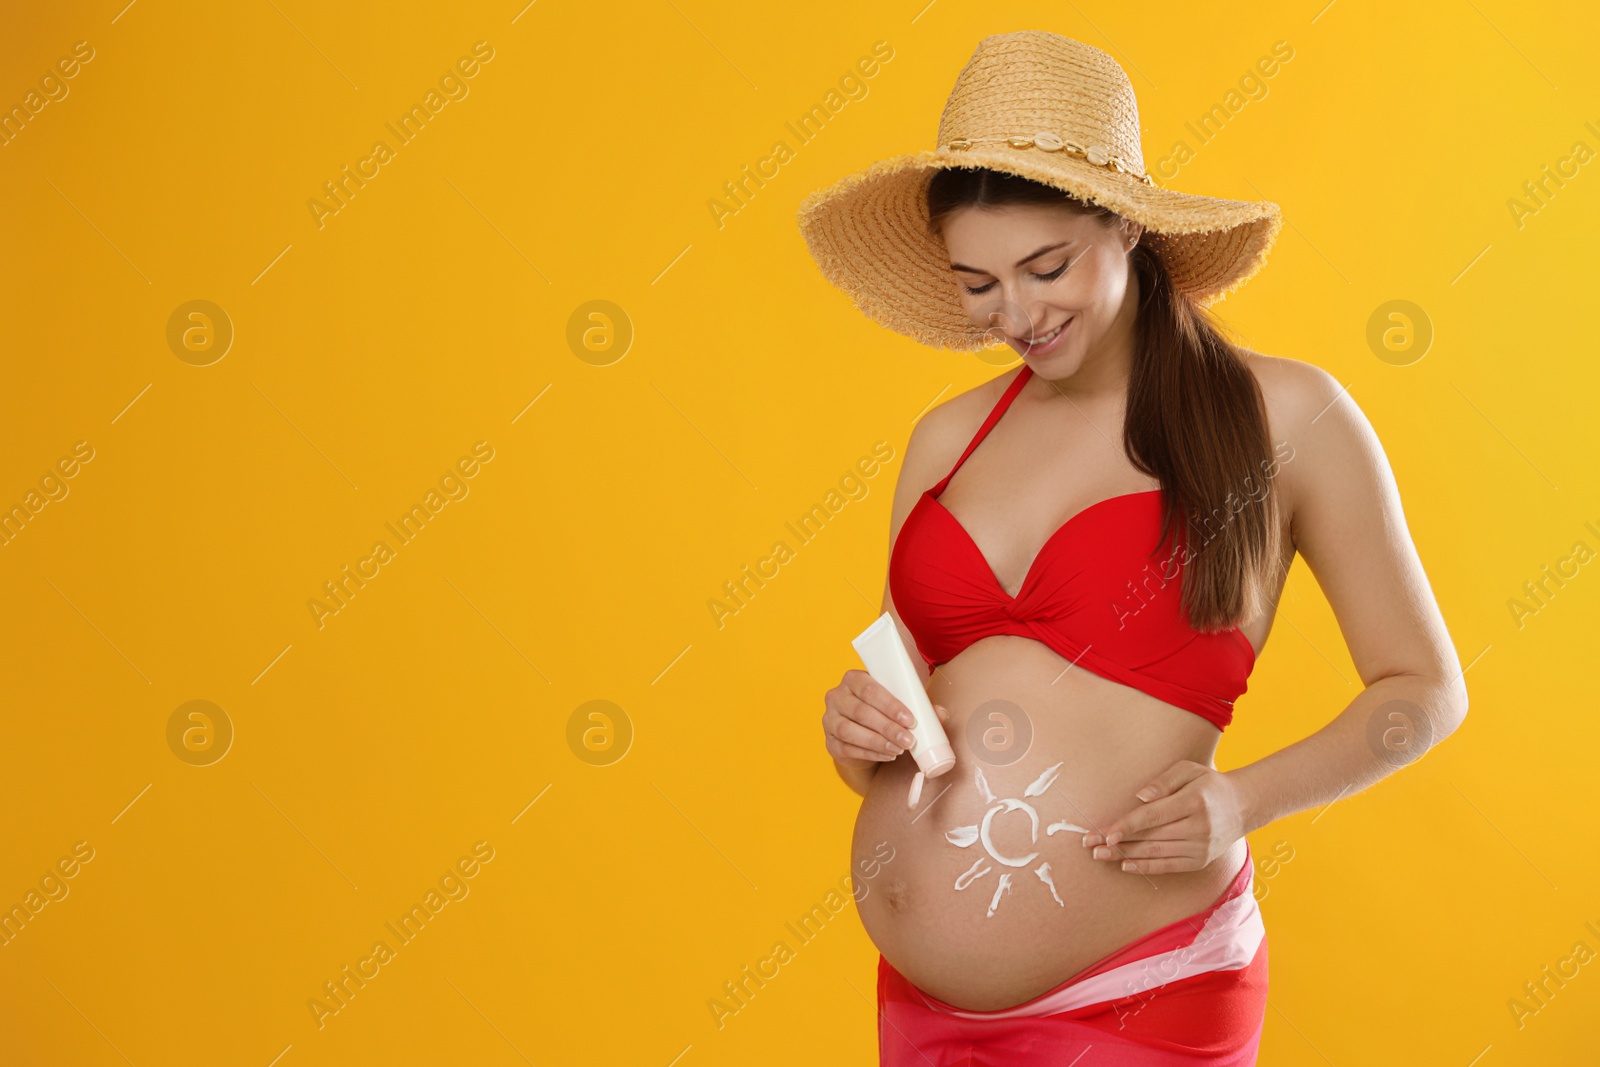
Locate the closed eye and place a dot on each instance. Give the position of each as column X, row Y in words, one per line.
column 1052, row 276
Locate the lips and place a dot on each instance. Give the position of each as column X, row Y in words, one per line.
column 1044, row 340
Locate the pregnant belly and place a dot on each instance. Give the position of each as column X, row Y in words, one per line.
column 991, row 898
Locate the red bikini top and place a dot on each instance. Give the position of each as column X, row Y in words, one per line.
column 1094, row 594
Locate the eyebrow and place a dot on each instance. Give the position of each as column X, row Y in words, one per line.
column 1024, row 260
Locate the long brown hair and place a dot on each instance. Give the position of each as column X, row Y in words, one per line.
column 1196, row 420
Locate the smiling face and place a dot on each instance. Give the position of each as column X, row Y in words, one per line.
column 1024, row 271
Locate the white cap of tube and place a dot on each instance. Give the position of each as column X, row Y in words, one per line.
column 935, row 760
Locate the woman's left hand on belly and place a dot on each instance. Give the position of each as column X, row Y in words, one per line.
column 1189, row 816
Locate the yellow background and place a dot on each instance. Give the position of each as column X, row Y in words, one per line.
column 428, row 714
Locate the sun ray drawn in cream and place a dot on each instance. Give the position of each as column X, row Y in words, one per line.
column 961, row 836
column 1003, row 888
column 1043, row 782
column 967, row 836
column 1043, row 871
column 973, row 874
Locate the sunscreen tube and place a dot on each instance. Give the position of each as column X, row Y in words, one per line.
column 889, row 664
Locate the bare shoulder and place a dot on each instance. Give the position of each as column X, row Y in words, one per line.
column 937, row 441
column 1332, row 460
column 940, row 436
column 1307, row 410
column 1295, row 391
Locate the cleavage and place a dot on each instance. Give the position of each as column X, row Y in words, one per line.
column 1011, row 517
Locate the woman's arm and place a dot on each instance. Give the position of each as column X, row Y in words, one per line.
column 858, row 778
column 931, row 437
column 1346, row 520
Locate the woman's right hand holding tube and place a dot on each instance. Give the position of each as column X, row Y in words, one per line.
column 865, row 725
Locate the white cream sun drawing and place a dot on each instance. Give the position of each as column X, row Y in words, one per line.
column 966, row 836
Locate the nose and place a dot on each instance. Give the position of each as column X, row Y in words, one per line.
column 1013, row 317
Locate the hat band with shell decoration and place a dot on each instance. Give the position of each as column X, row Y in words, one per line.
column 1096, row 154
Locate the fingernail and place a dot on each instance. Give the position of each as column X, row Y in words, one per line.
column 1127, row 865
column 1102, row 853
column 907, row 740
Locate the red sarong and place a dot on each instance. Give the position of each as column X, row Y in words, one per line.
column 1191, row 994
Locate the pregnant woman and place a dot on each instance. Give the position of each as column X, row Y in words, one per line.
column 1087, row 552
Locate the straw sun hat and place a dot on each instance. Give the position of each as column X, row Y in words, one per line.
column 1040, row 106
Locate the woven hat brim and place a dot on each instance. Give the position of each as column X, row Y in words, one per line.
column 868, row 234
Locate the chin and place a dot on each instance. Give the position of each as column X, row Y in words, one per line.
column 1055, row 366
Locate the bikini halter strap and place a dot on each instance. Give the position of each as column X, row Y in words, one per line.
column 988, row 424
